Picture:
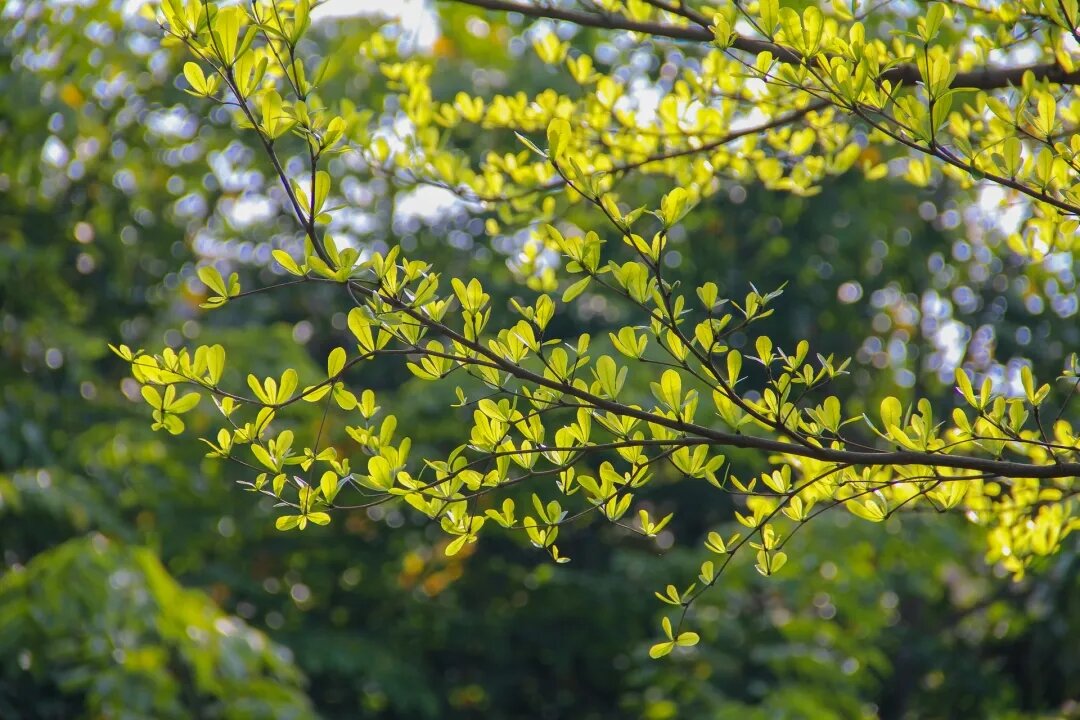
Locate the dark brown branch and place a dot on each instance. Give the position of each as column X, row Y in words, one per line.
column 1000, row 468
column 946, row 156
column 985, row 78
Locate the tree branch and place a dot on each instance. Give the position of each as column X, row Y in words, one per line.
column 558, row 181
column 985, row 78
column 1000, row 468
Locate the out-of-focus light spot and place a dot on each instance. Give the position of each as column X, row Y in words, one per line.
column 426, row 203
column 477, row 27
column 54, row 152
column 302, row 331
column 130, row 388
column 83, row 232
column 54, row 358
column 419, row 24
column 300, row 593
column 849, row 292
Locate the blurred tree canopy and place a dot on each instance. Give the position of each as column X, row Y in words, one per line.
column 119, row 188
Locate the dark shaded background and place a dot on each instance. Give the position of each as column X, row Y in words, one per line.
column 140, row 582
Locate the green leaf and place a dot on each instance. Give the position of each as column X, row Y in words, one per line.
column 319, row 518
column 669, row 390
column 661, row 649
column 673, row 206
column 576, row 289
column 715, row 543
column 558, row 135
column 263, row 456
column 286, row 261
column 455, row 546
column 321, row 190
column 529, row 144
column 215, row 364
column 195, row 77
column 287, row 522
column 687, row 639
column 152, row 396
column 212, row 279
column 891, row 412
column 329, row 485
column 185, row 403
column 335, row 362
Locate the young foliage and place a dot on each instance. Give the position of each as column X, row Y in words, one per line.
column 553, row 417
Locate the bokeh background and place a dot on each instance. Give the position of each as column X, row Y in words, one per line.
column 139, row 581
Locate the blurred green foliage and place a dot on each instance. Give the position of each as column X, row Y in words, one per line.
column 110, row 190
column 102, row 629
